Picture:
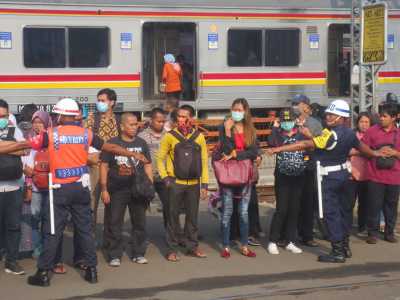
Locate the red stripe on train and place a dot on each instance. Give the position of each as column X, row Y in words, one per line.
column 69, row 77
column 172, row 13
column 294, row 75
column 389, row 74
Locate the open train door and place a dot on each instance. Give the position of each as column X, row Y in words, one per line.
column 177, row 38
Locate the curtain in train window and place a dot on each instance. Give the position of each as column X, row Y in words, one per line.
column 282, row 47
column 44, row 47
column 244, row 48
column 88, row 47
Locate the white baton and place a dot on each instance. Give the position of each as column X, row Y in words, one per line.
column 319, row 189
column 51, row 202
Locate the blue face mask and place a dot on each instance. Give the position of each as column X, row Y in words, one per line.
column 3, row 123
column 101, row 107
column 287, row 125
column 237, row 116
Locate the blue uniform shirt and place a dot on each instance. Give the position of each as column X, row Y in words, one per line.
column 333, row 146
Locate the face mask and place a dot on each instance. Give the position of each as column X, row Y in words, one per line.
column 101, row 107
column 237, row 116
column 3, row 123
column 287, row 126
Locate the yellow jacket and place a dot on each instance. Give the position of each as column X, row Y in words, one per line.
column 165, row 156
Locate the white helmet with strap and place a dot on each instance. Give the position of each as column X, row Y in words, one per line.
column 66, row 107
column 339, row 107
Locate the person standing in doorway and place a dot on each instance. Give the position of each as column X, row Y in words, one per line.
column 172, row 77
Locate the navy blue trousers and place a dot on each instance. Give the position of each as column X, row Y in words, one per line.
column 71, row 199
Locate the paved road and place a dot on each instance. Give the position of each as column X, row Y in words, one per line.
column 373, row 273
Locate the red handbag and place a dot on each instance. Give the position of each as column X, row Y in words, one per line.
column 234, row 172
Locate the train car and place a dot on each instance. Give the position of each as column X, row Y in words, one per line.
column 265, row 51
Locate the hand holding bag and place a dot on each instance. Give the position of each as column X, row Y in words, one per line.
column 386, row 163
column 142, row 187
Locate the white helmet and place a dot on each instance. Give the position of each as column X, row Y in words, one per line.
column 66, row 107
column 339, row 107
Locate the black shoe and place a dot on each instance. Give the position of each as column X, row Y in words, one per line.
column 253, row 241
column 371, row 239
column 310, row 243
column 91, row 274
column 335, row 256
column 13, row 268
column 41, row 278
column 390, row 238
column 346, row 248
column 281, row 244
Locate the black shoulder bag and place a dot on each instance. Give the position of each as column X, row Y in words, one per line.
column 142, row 187
column 386, row 163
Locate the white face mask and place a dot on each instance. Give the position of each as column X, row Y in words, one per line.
column 237, row 116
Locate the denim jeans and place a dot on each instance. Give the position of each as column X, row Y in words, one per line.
column 38, row 198
column 242, row 195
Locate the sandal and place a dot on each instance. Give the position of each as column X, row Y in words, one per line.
column 247, row 252
column 225, row 253
column 173, row 257
column 197, row 253
column 59, row 269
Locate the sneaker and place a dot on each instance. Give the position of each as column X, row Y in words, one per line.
column 115, row 262
column 371, row 240
column 273, row 248
column 253, row 241
column 13, row 268
column 140, row 260
column 293, row 248
column 362, row 234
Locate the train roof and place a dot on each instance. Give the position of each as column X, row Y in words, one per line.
column 221, row 4
column 218, row 4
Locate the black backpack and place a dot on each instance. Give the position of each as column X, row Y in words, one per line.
column 10, row 165
column 187, row 157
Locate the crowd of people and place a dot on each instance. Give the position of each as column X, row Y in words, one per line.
column 54, row 170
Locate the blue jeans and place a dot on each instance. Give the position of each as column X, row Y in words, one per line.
column 38, row 198
column 243, row 196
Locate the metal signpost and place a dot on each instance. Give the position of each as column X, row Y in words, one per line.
column 369, row 52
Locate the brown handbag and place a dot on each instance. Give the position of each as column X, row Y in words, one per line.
column 234, row 172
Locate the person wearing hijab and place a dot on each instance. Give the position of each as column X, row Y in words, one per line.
column 172, row 77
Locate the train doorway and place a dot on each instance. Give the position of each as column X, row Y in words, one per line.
column 339, row 60
column 178, row 39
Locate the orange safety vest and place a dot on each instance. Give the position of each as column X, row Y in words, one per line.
column 68, row 152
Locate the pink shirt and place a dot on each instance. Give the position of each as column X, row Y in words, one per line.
column 375, row 137
column 359, row 164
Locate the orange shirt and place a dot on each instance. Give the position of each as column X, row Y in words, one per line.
column 172, row 74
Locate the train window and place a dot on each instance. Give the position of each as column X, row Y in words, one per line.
column 44, row 47
column 282, row 47
column 88, row 47
column 244, row 48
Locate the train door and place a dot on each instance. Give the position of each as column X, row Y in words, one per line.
column 179, row 39
column 339, row 62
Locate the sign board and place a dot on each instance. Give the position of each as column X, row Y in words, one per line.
column 390, row 41
column 43, row 107
column 5, row 40
column 212, row 41
column 126, row 40
column 373, row 34
column 313, row 40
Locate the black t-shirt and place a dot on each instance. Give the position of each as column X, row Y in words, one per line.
column 121, row 167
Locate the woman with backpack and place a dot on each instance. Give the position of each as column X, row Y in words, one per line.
column 289, row 182
column 237, row 140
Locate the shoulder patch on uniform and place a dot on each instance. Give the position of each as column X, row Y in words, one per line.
column 321, row 141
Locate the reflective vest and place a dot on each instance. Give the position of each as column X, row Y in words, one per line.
column 68, row 152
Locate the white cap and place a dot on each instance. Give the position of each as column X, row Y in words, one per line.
column 339, row 107
column 66, row 107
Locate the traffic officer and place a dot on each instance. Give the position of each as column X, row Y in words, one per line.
column 332, row 149
column 68, row 145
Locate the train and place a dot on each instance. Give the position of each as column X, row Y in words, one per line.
column 265, row 51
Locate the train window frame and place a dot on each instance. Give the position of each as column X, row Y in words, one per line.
column 24, row 44
column 67, row 46
column 299, row 61
column 261, row 46
column 109, row 46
